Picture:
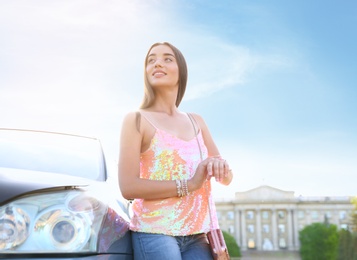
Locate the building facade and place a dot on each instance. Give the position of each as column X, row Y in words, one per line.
column 269, row 219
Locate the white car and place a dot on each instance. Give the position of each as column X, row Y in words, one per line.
column 55, row 202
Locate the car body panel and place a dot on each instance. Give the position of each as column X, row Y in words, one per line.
column 43, row 165
column 15, row 182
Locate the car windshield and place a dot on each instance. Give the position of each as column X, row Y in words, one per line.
column 52, row 152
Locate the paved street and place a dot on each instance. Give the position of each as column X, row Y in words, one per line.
column 270, row 256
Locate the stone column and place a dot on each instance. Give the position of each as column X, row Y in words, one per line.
column 237, row 226
column 244, row 230
column 259, row 230
column 296, row 229
column 290, row 229
column 274, row 230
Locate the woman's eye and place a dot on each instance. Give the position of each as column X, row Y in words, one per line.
column 168, row 59
column 151, row 61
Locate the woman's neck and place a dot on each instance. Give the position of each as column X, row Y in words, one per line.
column 164, row 105
column 169, row 110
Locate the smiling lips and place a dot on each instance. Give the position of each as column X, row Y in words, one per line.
column 158, row 73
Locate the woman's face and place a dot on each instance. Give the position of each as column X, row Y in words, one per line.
column 161, row 67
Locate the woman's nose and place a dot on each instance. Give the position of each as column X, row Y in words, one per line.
column 158, row 63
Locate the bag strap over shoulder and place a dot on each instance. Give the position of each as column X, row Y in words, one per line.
column 206, row 188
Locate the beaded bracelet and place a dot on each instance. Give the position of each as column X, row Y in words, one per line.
column 182, row 187
column 179, row 188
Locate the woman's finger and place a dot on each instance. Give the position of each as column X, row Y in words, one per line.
column 226, row 168
column 210, row 168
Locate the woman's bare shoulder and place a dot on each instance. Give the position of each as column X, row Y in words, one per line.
column 130, row 120
column 130, row 115
column 198, row 118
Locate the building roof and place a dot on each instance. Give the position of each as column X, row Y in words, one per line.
column 265, row 193
column 270, row 195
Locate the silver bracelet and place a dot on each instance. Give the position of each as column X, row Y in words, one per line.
column 184, row 187
column 179, row 188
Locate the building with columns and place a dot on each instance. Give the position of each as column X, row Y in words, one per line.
column 269, row 219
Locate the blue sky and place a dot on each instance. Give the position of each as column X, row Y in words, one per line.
column 274, row 80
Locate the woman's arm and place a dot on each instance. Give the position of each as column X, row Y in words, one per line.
column 219, row 168
column 130, row 183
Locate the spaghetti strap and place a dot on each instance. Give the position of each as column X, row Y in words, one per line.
column 147, row 119
column 194, row 122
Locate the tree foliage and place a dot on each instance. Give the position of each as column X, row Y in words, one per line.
column 354, row 215
column 232, row 246
column 347, row 246
column 319, row 241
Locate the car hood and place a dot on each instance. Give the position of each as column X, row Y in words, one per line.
column 15, row 182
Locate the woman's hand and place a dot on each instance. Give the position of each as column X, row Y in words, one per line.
column 217, row 168
column 201, row 175
column 213, row 166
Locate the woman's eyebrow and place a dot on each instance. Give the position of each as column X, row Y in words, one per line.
column 165, row 54
column 169, row 54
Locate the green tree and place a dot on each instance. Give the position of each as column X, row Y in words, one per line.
column 354, row 215
column 232, row 246
column 345, row 245
column 319, row 241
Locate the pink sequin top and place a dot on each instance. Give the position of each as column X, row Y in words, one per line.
column 171, row 158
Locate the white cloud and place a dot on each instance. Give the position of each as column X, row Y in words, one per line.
column 77, row 66
column 100, row 46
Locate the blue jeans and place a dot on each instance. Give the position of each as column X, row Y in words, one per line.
column 157, row 246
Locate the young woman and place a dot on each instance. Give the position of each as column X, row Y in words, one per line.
column 160, row 165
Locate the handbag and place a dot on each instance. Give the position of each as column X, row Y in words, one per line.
column 214, row 236
column 217, row 244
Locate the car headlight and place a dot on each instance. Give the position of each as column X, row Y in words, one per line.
column 60, row 229
column 14, row 226
column 65, row 221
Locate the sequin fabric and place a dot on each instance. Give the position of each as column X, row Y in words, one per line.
column 171, row 158
column 113, row 229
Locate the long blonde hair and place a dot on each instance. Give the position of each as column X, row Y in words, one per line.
column 149, row 94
